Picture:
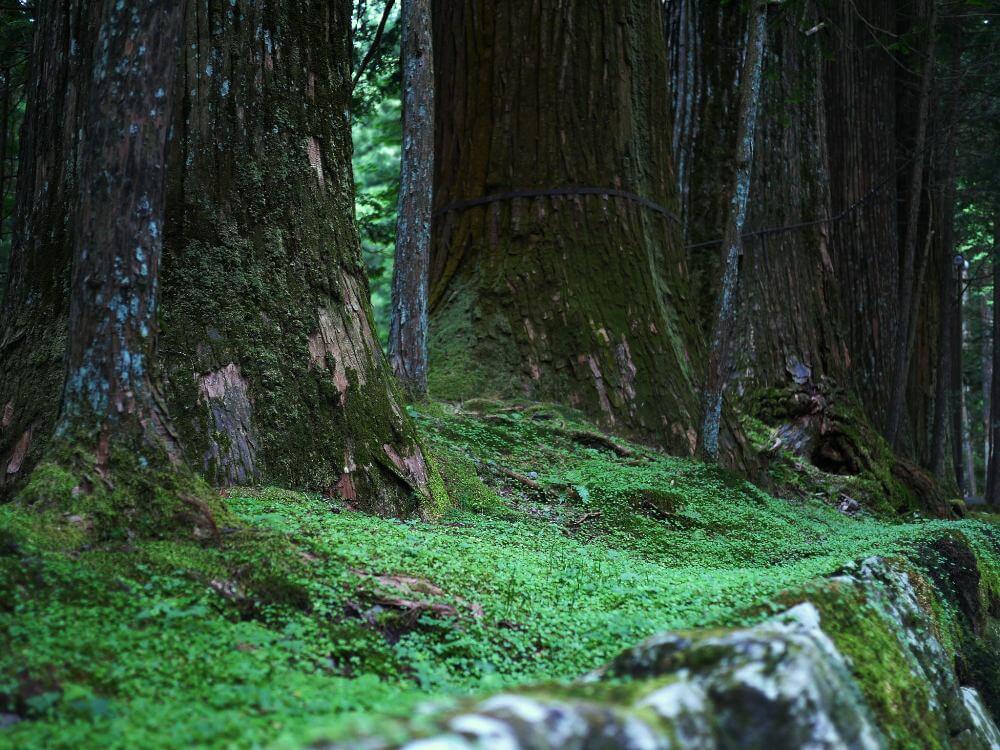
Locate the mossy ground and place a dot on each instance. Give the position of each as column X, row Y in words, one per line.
column 305, row 619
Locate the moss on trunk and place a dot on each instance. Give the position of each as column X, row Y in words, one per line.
column 572, row 298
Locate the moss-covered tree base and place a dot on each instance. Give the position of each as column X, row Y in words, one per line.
column 812, row 439
column 131, row 490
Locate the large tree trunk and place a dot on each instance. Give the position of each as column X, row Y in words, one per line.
column 573, row 297
column 912, row 262
column 118, row 233
column 859, row 89
column 112, row 436
column 720, row 355
column 408, row 324
column 36, row 305
column 272, row 366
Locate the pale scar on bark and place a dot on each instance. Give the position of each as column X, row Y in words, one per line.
column 226, row 393
column 316, row 160
column 20, row 451
column 343, row 339
column 412, row 466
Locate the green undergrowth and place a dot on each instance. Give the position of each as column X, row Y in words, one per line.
column 303, row 619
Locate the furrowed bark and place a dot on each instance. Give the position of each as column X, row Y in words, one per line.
column 268, row 344
column 408, row 322
column 720, row 354
column 787, row 320
column 36, row 306
column 859, row 84
column 573, row 298
column 909, row 291
column 118, row 232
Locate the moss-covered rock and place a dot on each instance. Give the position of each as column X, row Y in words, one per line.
column 856, row 664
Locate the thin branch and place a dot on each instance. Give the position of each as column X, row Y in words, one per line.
column 373, row 49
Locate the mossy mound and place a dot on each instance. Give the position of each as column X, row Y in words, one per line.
column 302, row 619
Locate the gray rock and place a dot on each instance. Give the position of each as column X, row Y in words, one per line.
column 779, row 685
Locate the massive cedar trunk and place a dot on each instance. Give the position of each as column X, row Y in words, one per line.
column 112, row 437
column 788, row 298
column 271, row 363
column 91, row 198
column 789, row 330
column 108, row 395
column 571, row 297
column 36, row 305
column 408, row 324
column 912, row 261
column 859, row 84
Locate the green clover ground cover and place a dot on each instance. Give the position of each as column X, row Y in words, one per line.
column 310, row 620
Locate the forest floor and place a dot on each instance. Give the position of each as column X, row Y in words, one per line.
column 308, row 620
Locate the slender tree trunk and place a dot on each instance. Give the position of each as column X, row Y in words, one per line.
column 993, row 469
column 986, row 362
column 575, row 297
column 970, row 465
column 4, row 137
column 908, row 291
column 942, row 213
column 942, row 387
column 956, row 383
column 408, row 324
column 273, row 370
column 720, row 354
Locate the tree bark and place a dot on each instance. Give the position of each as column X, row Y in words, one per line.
column 720, row 354
column 909, row 291
column 787, row 319
column 408, row 322
column 860, row 110
column 942, row 381
column 986, row 362
column 108, row 394
column 270, row 358
column 956, row 382
column 577, row 298
column 36, row 305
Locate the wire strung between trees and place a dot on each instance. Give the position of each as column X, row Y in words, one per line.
column 652, row 206
column 657, row 208
column 567, row 191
